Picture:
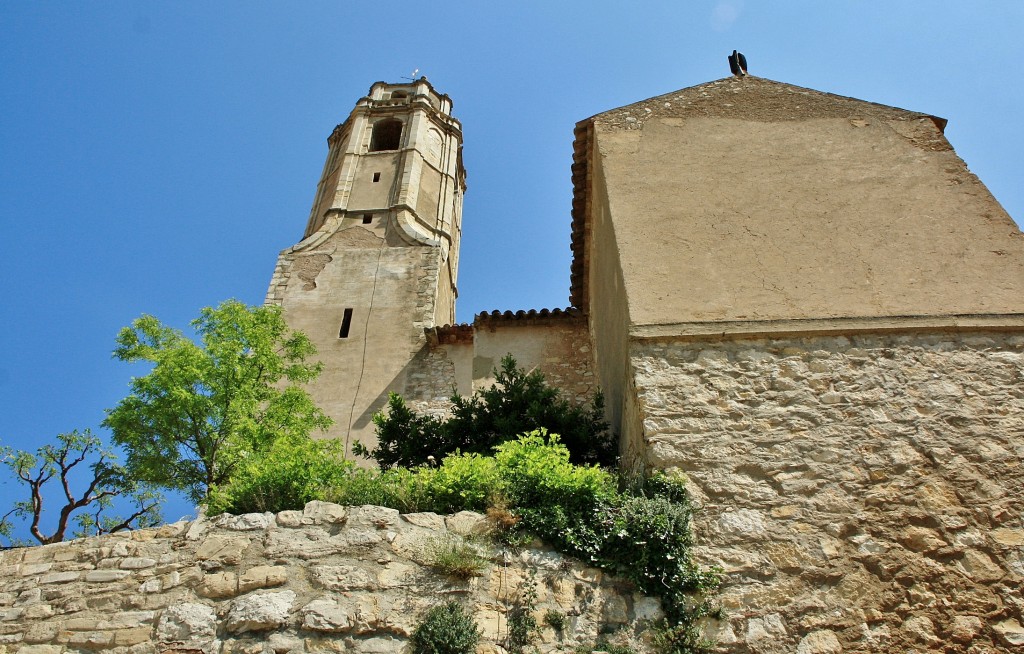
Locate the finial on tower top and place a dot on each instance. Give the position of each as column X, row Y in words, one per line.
column 738, row 64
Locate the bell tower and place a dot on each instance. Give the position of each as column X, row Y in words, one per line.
column 378, row 262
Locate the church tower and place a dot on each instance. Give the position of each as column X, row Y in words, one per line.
column 378, row 262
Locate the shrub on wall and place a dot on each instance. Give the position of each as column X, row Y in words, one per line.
column 446, row 629
column 518, row 402
column 638, row 528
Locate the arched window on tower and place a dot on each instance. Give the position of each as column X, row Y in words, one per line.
column 387, row 135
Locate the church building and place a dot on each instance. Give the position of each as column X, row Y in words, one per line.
column 805, row 303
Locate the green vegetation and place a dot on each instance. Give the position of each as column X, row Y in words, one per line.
column 518, row 402
column 638, row 529
column 446, row 629
column 454, row 555
column 63, row 463
column 522, row 625
column 555, row 620
column 205, row 408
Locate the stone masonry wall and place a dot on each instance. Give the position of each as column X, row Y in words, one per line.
column 862, row 493
column 326, row 579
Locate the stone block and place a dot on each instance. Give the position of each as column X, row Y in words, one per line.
column 964, row 628
column 344, row 577
column 105, row 576
column 41, row 632
column 819, row 642
column 426, row 520
column 59, row 577
column 136, row 563
column 41, row 649
column 262, row 576
column 27, row 569
column 259, row 612
column 981, row 567
column 1008, row 537
column 219, row 585
column 373, row 517
column 289, row 519
column 245, row 522
column 1010, row 632
column 91, row 639
column 319, row 513
column 326, row 615
column 468, row 523
column 226, row 550
column 385, row 645
column 129, row 637
column 187, row 622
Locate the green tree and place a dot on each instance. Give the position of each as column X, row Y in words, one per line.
column 518, row 402
column 64, row 463
column 205, row 407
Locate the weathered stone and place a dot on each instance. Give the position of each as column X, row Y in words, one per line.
column 226, row 550
column 922, row 539
column 28, row 596
column 262, row 576
column 770, row 626
column 819, row 642
column 964, row 628
column 91, row 639
column 326, row 615
column 219, row 585
column 373, row 517
column 259, row 612
column 615, row 610
column 245, row 522
column 468, row 523
column 136, row 563
column 980, row 566
column 425, row 520
column 921, row 629
column 59, row 577
column 40, row 649
column 385, row 645
column 1008, row 537
column 34, row 568
column 282, row 643
column 289, row 519
column 187, row 622
column 104, row 576
column 134, row 636
column 324, row 513
column 1010, row 631
column 744, row 523
column 344, row 577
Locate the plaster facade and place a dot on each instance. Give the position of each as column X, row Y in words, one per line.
column 806, row 303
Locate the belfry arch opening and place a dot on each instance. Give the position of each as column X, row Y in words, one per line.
column 387, row 135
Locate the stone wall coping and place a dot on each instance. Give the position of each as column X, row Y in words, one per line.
column 745, row 329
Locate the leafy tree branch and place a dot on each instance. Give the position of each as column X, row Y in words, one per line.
column 205, row 407
column 75, row 455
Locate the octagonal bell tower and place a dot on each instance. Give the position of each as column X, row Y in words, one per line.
column 378, row 261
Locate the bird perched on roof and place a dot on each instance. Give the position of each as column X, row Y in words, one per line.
column 738, row 64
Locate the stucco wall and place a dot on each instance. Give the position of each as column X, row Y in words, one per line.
column 609, row 308
column 327, row 579
column 558, row 347
column 862, row 492
column 391, row 291
column 752, row 200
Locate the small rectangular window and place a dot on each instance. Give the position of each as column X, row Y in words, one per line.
column 346, row 323
column 367, row 218
column 376, row 177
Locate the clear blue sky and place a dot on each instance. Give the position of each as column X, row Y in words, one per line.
column 155, row 157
